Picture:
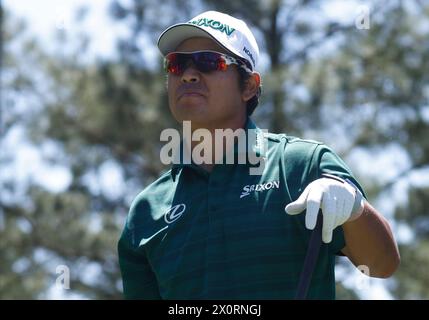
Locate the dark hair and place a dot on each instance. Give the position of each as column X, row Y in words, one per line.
column 244, row 76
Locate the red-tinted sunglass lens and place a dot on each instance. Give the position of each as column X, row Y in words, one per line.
column 176, row 63
column 172, row 64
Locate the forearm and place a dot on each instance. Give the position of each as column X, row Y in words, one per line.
column 370, row 242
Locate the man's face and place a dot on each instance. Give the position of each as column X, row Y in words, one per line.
column 209, row 100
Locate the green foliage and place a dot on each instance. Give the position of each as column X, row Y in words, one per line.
column 369, row 92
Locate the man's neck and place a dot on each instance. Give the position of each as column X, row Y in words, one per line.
column 206, row 144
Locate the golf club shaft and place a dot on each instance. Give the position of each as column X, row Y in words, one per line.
column 310, row 259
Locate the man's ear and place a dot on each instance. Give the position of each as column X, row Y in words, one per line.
column 251, row 87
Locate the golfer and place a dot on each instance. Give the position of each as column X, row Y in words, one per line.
column 212, row 230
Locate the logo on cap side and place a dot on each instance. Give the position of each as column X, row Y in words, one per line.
column 247, row 51
column 216, row 25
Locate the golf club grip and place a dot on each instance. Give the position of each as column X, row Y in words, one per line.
column 310, row 259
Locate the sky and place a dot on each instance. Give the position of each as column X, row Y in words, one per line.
column 45, row 17
column 28, row 158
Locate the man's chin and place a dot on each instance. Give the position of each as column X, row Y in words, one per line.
column 191, row 113
column 191, row 104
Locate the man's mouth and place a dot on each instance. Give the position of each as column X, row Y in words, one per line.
column 191, row 94
column 190, row 90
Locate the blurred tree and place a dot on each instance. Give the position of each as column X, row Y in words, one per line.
column 382, row 84
column 96, row 119
column 41, row 229
column 413, row 277
column 357, row 90
column 15, row 243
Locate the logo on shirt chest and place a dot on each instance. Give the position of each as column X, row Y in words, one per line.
column 174, row 213
column 259, row 187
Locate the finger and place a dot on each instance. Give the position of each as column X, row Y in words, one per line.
column 298, row 205
column 347, row 208
column 343, row 207
column 329, row 207
column 314, row 200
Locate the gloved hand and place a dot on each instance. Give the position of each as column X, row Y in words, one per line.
column 339, row 199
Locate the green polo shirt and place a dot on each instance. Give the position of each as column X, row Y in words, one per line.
column 225, row 234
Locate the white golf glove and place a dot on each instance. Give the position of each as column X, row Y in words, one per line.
column 339, row 199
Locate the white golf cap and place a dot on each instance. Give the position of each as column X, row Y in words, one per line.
column 231, row 33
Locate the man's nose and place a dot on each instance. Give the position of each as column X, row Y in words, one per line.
column 191, row 74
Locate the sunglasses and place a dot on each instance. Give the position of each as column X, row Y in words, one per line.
column 204, row 61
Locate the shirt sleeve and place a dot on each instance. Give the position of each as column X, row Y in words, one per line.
column 138, row 279
column 330, row 162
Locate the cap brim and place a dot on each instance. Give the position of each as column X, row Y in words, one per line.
column 170, row 39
